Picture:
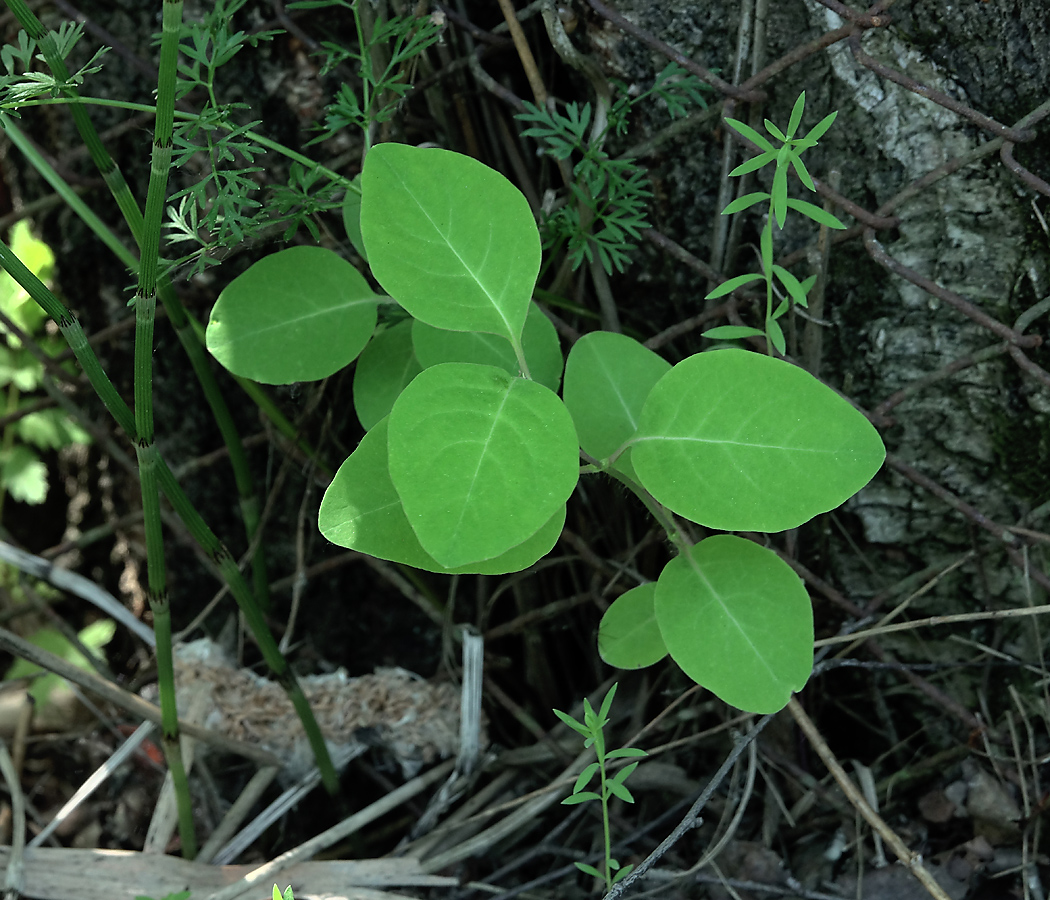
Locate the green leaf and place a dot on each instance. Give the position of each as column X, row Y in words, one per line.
column 780, row 195
column 752, row 165
column 802, row 171
column 776, row 132
column 450, row 239
column 94, row 637
column 732, row 284
column 23, row 475
column 539, row 341
column 628, row 636
column 750, row 133
column 741, row 442
column 624, row 773
column 573, row 799
column 746, row 201
column 300, row 314
column 732, row 332
column 607, row 701
column 384, row 369
column 792, row 284
column 816, row 213
column 572, row 723
column 776, row 334
column 362, row 511
column 352, row 219
column 15, row 303
column 607, row 378
column 626, row 752
column 623, row 873
column 585, row 776
column 796, row 115
column 618, row 790
column 589, row 870
column 50, row 429
column 738, row 621
column 480, row 459
column 818, row 130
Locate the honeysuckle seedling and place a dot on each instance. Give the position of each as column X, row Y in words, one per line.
column 609, row 784
column 789, row 154
column 470, row 454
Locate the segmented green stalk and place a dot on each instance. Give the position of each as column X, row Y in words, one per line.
column 194, row 348
column 71, row 329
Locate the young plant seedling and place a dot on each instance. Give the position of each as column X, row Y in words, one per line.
column 593, row 730
column 788, row 154
column 471, row 455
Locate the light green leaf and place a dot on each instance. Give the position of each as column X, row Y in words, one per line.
column 539, row 340
column 792, row 284
column 585, row 776
column 474, row 246
column 612, row 375
column 573, row 799
column 50, row 429
column 750, row 165
column 623, row 873
column 796, row 115
column 745, row 201
column 624, row 773
column 732, row 284
column 572, row 723
column 738, row 621
column 607, row 378
column 362, row 511
column 352, row 219
column 732, row 332
column 780, row 195
column 300, row 314
column 739, row 441
column 802, row 171
column 94, row 637
column 816, row 213
column 750, row 133
column 589, row 870
column 628, row 636
column 480, row 459
column 618, row 790
column 23, row 475
column 385, row 367
column 626, row 752
column 818, row 130
column 16, row 304
column 19, row 368
column 776, row 335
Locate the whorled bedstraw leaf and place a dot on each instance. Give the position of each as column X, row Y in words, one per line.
column 361, row 511
column 480, row 459
column 299, row 314
column 796, row 115
column 732, row 284
column 628, row 636
column 732, row 332
column 453, row 241
column 816, row 213
column 746, row 201
column 739, row 441
column 750, row 133
column 738, row 621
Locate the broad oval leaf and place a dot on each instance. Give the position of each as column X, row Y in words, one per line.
column 738, row 621
column 361, row 511
column 539, row 341
column 607, row 378
column 480, row 459
column 628, row 636
column 739, row 441
column 300, row 314
column 386, row 366
column 453, row 241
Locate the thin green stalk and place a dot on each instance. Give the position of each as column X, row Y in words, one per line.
column 196, row 525
column 145, row 317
